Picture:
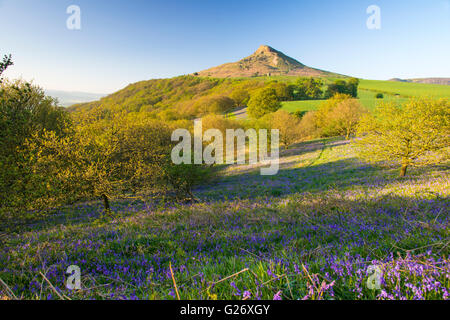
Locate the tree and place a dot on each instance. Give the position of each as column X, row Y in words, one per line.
column 308, row 125
column 409, row 135
column 308, row 88
column 212, row 104
column 283, row 91
column 240, row 97
column 349, row 87
column 262, row 102
column 352, row 87
column 25, row 111
column 105, row 159
column 289, row 126
column 4, row 64
column 326, row 126
column 345, row 117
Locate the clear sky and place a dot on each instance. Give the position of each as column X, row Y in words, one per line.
column 124, row 41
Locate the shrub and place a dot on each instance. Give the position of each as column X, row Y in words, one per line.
column 349, row 87
column 240, row 97
column 262, row 102
column 308, row 88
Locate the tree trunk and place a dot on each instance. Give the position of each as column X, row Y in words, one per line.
column 403, row 170
column 106, row 203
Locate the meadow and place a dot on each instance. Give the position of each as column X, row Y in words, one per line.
column 367, row 99
column 311, row 232
column 397, row 92
column 406, row 89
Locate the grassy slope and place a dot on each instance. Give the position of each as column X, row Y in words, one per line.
column 310, row 231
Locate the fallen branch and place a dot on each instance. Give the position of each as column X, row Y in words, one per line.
column 174, row 282
column 8, row 290
column 53, row 288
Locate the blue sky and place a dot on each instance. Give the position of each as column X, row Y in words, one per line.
column 121, row 42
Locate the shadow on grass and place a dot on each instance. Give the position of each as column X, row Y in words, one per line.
column 315, row 178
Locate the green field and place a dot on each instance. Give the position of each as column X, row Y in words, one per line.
column 406, row 89
column 367, row 99
column 304, row 105
column 398, row 92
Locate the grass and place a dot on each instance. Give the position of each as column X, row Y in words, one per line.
column 303, row 105
column 312, row 231
column 398, row 92
column 405, row 89
column 366, row 98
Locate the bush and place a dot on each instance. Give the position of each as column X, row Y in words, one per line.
column 349, row 87
column 240, row 97
column 262, row 102
column 379, row 96
column 308, row 88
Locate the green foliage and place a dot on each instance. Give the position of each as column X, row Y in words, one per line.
column 308, row 89
column 349, row 87
column 184, row 97
column 283, row 91
column 379, row 96
column 4, row 64
column 106, row 160
column 25, row 112
column 240, row 97
column 216, row 104
column 264, row 101
column 406, row 135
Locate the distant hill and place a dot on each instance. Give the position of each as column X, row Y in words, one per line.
column 442, row 81
column 68, row 98
column 265, row 61
column 173, row 98
column 224, row 88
